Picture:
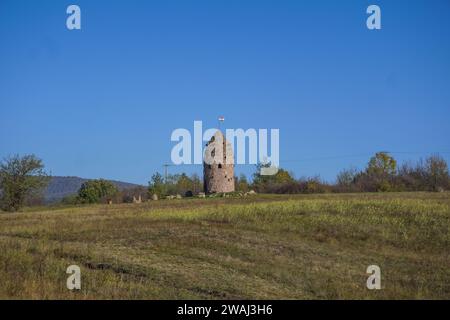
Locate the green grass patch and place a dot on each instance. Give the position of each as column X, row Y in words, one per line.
column 260, row 247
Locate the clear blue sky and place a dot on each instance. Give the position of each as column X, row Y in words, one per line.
column 103, row 101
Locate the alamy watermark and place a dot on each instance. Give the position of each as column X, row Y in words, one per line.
column 374, row 280
column 256, row 153
column 74, row 280
column 373, row 22
column 73, row 21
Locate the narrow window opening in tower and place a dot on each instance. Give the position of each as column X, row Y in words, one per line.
column 220, row 166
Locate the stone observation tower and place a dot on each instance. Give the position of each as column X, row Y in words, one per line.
column 218, row 165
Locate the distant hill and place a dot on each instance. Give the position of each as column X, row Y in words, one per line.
column 60, row 187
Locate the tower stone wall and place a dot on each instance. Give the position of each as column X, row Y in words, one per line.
column 218, row 171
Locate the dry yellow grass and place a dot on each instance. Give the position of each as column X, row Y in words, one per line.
column 264, row 247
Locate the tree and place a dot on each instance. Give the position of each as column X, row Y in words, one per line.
column 262, row 182
column 242, row 183
column 93, row 191
column 412, row 177
column 20, row 178
column 381, row 171
column 382, row 164
column 346, row 177
column 346, row 180
column 156, row 185
column 437, row 173
column 197, row 184
column 282, row 176
column 184, row 184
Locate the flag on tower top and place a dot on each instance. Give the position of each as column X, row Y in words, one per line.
column 221, row 118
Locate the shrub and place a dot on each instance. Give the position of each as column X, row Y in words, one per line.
column 94, row 191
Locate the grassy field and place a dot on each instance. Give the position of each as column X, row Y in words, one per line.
column 261, row 247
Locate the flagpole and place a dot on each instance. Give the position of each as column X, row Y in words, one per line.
column 220, row 120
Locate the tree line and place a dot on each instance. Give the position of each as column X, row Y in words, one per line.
column 24, row 178
column 381, row 174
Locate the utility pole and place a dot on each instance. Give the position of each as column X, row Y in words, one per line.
column 166, row 166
